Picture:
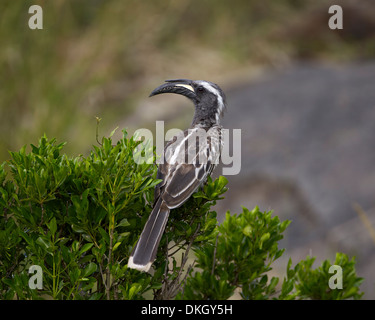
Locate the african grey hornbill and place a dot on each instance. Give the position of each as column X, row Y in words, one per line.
column 188, row 159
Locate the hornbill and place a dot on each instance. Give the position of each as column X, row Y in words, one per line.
column 188, row 159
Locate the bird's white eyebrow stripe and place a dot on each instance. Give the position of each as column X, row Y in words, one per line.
column 209, row 88
column 215, row 92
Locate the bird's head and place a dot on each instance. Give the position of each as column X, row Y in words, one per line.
column 208, row 98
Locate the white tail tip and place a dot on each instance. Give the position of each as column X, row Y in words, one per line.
column 139, row 267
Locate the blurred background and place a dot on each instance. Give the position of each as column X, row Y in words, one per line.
column 302, row 94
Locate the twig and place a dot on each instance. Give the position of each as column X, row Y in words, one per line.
column 178, row 249
column 169, row 290
column 97, row 129
column 214, row 258
column 102, row 274
column 184, row 259
column 167, row 262
column 185, row 277
column 42, row 217
column 161, row 293
column 176, row 244
column 365, row 220
column 108, row 287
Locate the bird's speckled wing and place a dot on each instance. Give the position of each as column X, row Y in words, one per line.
column 186, row 166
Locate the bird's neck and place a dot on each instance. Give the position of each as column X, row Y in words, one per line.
column 205, row 118
column 203, row 123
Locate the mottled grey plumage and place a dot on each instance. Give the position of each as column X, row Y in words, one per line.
column 189, row 159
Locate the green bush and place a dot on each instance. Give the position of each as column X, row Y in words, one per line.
column 78, row 219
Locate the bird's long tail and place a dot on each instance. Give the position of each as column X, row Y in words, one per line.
column 144, row 252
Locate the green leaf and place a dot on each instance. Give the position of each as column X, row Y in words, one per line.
column 52, row 226
column 113, row 132
column 43, row 243
column 247, row 231
column 123, row 223
column 90, row 268
column 116, row 246
column 85, row 247
column 134, row 289
column 264, row 237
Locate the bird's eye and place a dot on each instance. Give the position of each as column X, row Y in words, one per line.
column 200, row 89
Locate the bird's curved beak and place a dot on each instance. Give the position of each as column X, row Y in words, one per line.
column 179, row 86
